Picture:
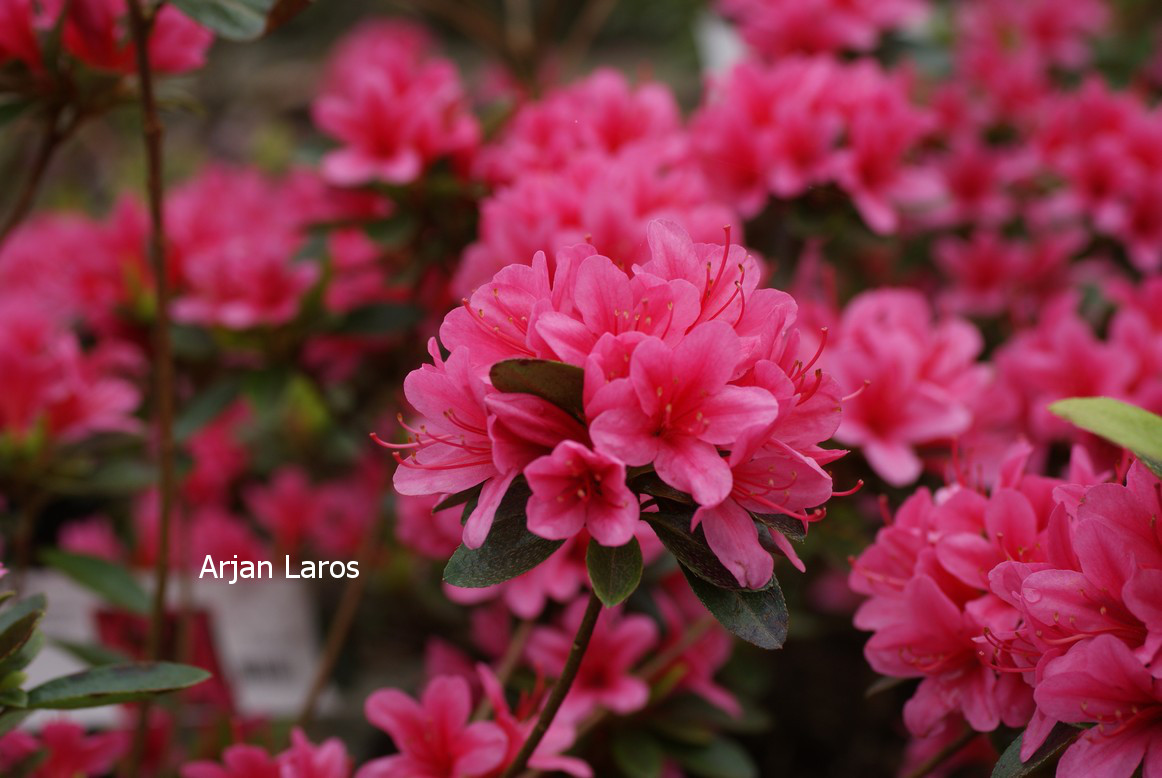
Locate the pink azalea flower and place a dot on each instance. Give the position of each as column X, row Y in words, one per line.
column 776, row 28
column 286, row 508
column 68, row 750
column 428, row 532
column 558, row 579
column 604, row 681
column 676, row 406
column 93, row 536
column 238, row 761
column 395, row 108
column 575, row 488
column 304, row 759
column 18, row 32
column 558, row 738
column 922, row 379
column 433, row 735
column 96, row 32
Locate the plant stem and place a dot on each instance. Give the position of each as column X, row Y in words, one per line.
column 50, row 141
column 946, row 753
column 339, row 629
column 557, row 696
column 141, row 24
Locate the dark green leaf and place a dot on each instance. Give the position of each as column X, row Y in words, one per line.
column 756, row 617
column 13, row 698
column 206, row 407
column 614, row 572
column 110, row 684
column 10, row 110
column 14, row 638
column 721, row 759
column 93, row 654
column 380, row 319
column 14, row 664
column 637, row 754
column 1126, row 425
column 557, row 382
column 509, row 550
column 649, row 483
column 265, row 388
column 459, row 498
column 11, row 719
column 1044, row 759
column 111, row 582
column 792, row 528
column 691, row 548
column 235, row 20
column 20, row 609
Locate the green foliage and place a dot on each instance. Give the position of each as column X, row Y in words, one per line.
column 720, row 758
column 508, row 551
column 241, row 20
column 758, row 617
column 112, row 583
column 380, row 319
column 690, row 547
column 1126, row 425
column 109, row 684
column 206, row 407
column 614, row 572
column 557, row 382
column 1043, row 761
column 637, row 754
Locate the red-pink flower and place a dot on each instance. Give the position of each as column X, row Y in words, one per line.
column 921, row 379
column 304, row 759
column 96, row 32
column 395, row 107
column 677, row 405
column 605, row 680
column 238, row 761
column 575, row 488
column 1101, row 682
column 776, row 28
column 68, row 751
column 433, row 735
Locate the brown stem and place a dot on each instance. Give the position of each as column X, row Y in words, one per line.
column 946, row 753
column 560, row 689
column 50, row 141
column 584, row 30
column 339, row 629
column 141, row 23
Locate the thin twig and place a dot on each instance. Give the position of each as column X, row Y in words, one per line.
column 560, row 689
column 946, row 753
column 141, row 24
column 340, row 628
column 50, row 141
column 584, row 31
column 508, row 662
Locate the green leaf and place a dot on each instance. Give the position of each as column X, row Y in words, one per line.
column 265, row 388
column 557, row 382
column 614, row 572
column 235, row 20
column 649, row 483
column 14, row 698
column 459, row 498
column 756, row 617
column 380, row 319
column 110, row 684
column 1043, row 760
column 206, row 407
column 93, row 654
column 283, row 11
column 14, row 638
column 691, row 548
column 792, row 528
column 111, row 582
column 1126, row 425
column 11, row 719
column 508, row 551
column 20, row 609
column 636, row 754
column 721, row 759
column 11, row 670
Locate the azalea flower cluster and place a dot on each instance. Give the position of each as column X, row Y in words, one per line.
column 776, row 29
column 1030, row 604
column 803, row 122
column 685, row 358
column 96, row 33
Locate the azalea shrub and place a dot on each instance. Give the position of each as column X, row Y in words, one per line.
column 827, row 327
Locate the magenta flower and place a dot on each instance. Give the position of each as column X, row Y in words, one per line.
column 96, row 32
column 304, row 759
column 1101, row 682
column 238, row 761
column 676, row 405
column 395, row 108
column 433, row 735
column 619, row 642
column 575, row 488
column 67, row 750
